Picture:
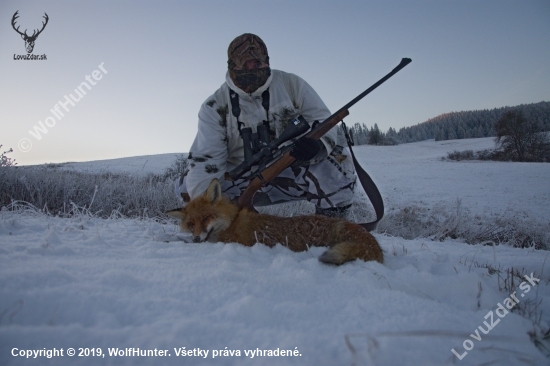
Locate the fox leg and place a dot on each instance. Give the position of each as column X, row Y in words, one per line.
column 348, row 251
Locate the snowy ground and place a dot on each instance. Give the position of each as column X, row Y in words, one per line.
column 155, row 164
column 98, row 285
column 413, row 174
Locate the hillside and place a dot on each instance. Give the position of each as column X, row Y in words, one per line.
column 451, row 126
column 472, row 124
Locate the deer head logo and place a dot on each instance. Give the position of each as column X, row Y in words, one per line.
column 29, row 40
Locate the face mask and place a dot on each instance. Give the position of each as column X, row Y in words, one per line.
column 250, row 80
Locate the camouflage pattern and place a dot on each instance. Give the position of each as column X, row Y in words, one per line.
column 327, row 184
column 246, row 47
column 250, row 80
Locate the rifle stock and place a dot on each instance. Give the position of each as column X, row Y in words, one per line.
column 272, row 171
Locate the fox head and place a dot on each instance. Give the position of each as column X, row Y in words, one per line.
column 206, row 216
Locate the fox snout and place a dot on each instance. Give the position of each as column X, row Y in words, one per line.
column 199, row 234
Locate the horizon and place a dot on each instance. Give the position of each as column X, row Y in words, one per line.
column 402, row 128
column 161, row 61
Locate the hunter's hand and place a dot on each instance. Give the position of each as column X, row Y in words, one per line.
column 305, row 149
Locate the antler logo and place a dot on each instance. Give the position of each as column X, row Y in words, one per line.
column 29, row 40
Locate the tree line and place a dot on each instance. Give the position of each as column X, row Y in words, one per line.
column 452, row 126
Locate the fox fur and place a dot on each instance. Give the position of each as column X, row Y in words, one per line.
column 213, row 218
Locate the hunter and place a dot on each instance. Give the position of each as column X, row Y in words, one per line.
column 254, row 94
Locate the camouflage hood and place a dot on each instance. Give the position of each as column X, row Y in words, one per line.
column 246, row 47
column 242, row 49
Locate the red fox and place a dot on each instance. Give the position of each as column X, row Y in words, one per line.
column 213, row 218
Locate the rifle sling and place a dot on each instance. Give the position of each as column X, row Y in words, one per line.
column 368, row 185
column 236, row 107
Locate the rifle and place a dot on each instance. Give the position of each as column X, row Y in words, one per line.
column 272, row 160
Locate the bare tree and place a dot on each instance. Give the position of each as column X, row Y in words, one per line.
column 521, row 139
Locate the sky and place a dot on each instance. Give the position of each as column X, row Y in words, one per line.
column 149, row 65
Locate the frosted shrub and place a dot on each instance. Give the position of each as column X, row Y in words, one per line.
column 440, row 223
column 59, row 192
column 461, row 155
column 178, row 167
column 6, row 161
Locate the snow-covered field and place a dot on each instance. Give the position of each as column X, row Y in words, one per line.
column 113, row 286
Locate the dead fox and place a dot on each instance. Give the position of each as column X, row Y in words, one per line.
column 213, row 218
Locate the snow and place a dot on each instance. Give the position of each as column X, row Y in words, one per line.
column 85, row 282
column 413, row 174
column 154, row 164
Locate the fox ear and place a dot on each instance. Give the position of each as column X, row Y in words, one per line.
column 177, row 213
column 214, row 191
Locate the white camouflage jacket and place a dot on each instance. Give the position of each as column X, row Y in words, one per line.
column 218, row 146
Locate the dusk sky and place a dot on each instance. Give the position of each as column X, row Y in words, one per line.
column 157, row 61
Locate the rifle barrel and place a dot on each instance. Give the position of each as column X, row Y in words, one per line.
column 404, row 62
